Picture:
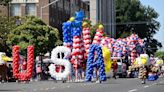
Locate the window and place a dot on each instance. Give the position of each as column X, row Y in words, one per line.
column 15, row 10
column 31, row 9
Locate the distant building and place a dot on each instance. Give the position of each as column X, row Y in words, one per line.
column 3, row 11
column 103, row 11
column 54, row 15
column 64, row 9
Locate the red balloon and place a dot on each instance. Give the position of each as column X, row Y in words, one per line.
column 27, row 74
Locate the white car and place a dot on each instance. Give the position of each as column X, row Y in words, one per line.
column 120, row 72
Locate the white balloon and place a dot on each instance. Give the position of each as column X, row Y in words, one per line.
column 81, row 56
column 87, row 36
column 63, row 74
column 76, row 40
column 76, row 45
column 60, row 49
column 62, row 62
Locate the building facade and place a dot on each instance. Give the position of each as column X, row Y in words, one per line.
column 53, row 15
column 64, row 9
column 3, row 10
column 104, row 11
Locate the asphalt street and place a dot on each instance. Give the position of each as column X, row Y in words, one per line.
column 112, row 85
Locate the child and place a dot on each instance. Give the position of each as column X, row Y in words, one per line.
column 38, row 71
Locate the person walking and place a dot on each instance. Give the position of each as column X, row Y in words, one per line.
column 142, row 74
column 9, row 72
column 38, row 71
column 115, row 67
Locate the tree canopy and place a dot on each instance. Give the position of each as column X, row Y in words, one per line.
column 33, row 31
column 160, row 54
column 133, row 17
column 6, row 24
column 4, row 2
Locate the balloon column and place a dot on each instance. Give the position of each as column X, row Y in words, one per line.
column 74, row 29
column 86, row 38
column 23, row 76
column 99, row 60
column 95, row 62
column 107, row 59
column 99, row 34
column 67, row 32
column 77, row 52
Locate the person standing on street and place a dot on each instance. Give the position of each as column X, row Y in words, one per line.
column 142, row 74
column 38, row 71
column 115, row 67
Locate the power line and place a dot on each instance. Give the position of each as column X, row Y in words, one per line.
column 129, row 23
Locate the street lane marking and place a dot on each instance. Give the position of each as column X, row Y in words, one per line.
column 68, row 86
column 34, row 89
column 133, row 90
column 146, row 86
column 154, row 84
column 47, row 89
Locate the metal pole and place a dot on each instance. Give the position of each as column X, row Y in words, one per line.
column 100, row 10
column 41, row 10
column 9, row 11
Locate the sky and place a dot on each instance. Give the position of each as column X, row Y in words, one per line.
column 158, row 5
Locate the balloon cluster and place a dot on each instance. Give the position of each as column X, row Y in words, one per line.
column 158, row 62
column 95, row 62
column 107, row 59
column 131, row 45
column 67, row 38
column 152, row 77
column 60, row 61
column 143, row 59
column 27, row 74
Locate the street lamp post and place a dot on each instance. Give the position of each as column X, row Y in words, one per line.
column 41, row 10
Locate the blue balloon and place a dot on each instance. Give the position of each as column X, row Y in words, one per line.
column 79, row 15
column 67, row 32
column 73, row 28
column 77, row 28
column 98, row 63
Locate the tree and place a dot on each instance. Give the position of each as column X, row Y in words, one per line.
column 5, row 27
column 133, row 17
column 5, row 2
column 33, row 31
column 160, row 54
